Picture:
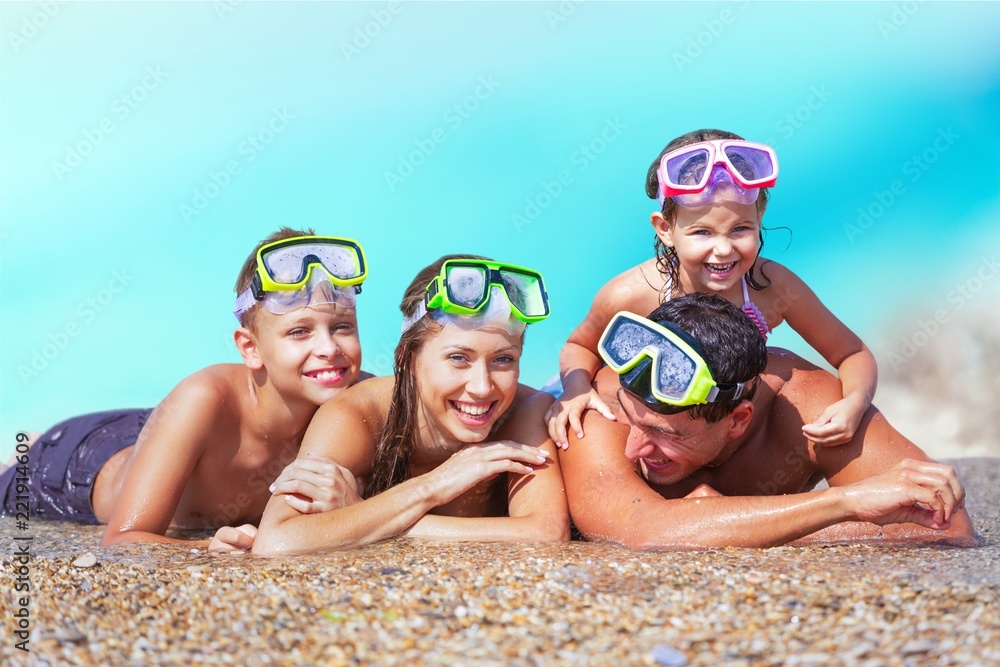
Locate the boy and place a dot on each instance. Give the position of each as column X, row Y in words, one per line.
column 205, row 457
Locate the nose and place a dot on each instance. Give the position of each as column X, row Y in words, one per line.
column 637, row 445
column 479, row 382
column 723, row 246
column 326, row 345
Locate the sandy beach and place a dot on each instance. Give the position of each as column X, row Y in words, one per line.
column 403, row 602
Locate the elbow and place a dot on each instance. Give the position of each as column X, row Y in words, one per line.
column 555, row 530
column 274, row 540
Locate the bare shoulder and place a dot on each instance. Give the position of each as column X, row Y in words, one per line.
column 210, row 391
column 368, row 400
column 801, row 391
column 634, row 289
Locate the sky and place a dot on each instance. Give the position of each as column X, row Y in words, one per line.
column 145, row 148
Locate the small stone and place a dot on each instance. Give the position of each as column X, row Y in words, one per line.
column 669, row 657
column 86, row 560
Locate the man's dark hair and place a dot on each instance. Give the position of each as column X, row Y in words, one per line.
column 733, row 347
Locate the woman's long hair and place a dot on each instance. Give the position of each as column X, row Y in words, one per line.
column 395, row 444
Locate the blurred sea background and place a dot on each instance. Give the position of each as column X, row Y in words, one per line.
column 146, row 147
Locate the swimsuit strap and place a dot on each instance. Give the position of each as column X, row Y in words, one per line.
column 753, row 312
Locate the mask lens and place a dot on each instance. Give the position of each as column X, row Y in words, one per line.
column 524, row 291
column 671, row 371
column 466, row 285
column 752, row 164
column 290, row 264
column 688, row 167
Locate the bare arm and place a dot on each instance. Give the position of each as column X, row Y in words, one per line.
column 537, row 510
column 609, row 501
column 346, row 431
column 579, row 361
column 842, row 349
column 169, row 447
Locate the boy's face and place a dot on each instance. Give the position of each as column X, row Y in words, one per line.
column 312, row 353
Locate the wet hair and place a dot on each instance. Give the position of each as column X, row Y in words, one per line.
column 731, row 344
column 249, row 318
column 666, row 259
column 391, row 464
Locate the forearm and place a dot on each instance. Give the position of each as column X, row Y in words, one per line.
column 389, row 514
column 578, row 366
column 539, row 528
column 722, row 521
column 959, row 534
column 144, row 537
column 858, row 375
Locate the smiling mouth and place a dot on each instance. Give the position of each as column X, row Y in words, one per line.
column 327, row 376
column 720, row 268
column 473, row 414
column 658, row 465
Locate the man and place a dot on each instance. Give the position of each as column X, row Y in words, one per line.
column 701, row 420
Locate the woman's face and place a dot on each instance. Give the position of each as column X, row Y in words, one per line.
column 466, row 380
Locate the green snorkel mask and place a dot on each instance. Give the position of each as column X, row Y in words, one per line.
column 662, row 365
column 473, row 293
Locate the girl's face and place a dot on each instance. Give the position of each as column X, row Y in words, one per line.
column 466, row 380
column 716, row 246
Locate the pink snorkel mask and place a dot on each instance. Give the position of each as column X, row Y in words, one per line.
column 738, row 170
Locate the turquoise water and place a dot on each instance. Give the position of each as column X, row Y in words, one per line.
column 145, row 148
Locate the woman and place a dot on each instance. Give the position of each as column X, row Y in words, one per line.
column 453, row 446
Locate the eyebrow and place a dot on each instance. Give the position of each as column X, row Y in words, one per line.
column 635, row 420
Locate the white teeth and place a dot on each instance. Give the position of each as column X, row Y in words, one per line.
column 326, row 375
column 472, row 409
column 721, row 268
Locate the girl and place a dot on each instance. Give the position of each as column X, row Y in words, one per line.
column 453, row 446
column 712, row 187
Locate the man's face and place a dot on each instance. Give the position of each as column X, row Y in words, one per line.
column 669, row 448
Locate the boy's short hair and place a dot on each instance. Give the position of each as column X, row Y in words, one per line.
column 669, row 209
column 733, row 347
column 248, row 319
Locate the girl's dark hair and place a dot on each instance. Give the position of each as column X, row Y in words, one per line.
column 666, row 260
column 395, row 444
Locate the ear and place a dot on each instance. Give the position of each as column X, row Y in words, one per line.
column 246, row 343
column 664, row 228
column 739, row 419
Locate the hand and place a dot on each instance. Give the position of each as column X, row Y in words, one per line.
column 479, row 462
column 919, row 492
column 568, row 409
column 316, row 484
column 837, row 424
column 228, row 538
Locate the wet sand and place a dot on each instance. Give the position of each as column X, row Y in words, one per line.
column 405, row 602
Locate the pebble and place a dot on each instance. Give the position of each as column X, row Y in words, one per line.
column 86, row 560
column 669, row 657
